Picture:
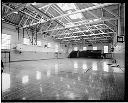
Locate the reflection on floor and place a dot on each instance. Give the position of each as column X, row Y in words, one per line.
column 63, row 79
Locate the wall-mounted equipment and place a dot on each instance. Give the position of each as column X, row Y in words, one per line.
column 120, row 39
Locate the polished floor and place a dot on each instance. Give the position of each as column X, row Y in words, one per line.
column 63, row 79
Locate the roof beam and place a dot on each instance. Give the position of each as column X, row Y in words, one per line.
column 95, row 4
column 26, row 21
column 46, row 6
column 21, row 11
column 38, row 10
column 110, row 12
column 90, row 30
column 59, row 11
column 97, row 28
column 84, row 23
column 15, row 10
column 78, row 11
column 109, row 28
column 85, row 35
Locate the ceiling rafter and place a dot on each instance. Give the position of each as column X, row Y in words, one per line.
column 78, row 11
column 49, row 25
column 15, row 10
column 26, row 21
column 38, row 10
column 34, row 17
column 95, row 17
column 53, row 31
column 20, row 11
column 112, row 24
column 85, row 23
column 47, row 8
column 81, row 13
column 110, row 28
column 87, row 31
column 21, row 21
column 48, row 5
column 59, row 11
column 97, row 28
column 110, row 12
column 95, row 34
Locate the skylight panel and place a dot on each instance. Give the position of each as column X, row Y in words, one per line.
column 76, row 16
column 69, row 24
column 39, row 43
column 26, row 41
column 66, row 6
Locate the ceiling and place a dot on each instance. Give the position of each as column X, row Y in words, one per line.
column 67, row 22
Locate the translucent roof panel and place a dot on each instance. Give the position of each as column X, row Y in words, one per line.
column 69, row 24
column 76, row 16
column 66, row 6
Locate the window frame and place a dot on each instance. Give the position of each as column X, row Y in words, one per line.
column 7, row 41
column 25, row 41
column 95, row 47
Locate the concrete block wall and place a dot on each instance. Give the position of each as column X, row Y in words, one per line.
column 119, row 54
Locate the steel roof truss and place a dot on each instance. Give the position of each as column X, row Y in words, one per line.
column 86, row 9
column 110, row 12
column 46, row 6
column 15, row 10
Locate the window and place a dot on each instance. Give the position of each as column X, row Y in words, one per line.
column 105, row 49
column 105, row 66
column 66, row 6
column 75, row 48
column 56, row 48
column 84, row 48
column 94, row 48
column 25, row 79
column 26, row 41
column 38, row 43
column 49, row 45
column 38, row 75
column 76, row 16
column 6, row 41
column 94, row 66
column 84, row 66
column 75, row 65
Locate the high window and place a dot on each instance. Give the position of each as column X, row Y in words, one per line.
column 94, row 48
column 49, row 45
column 6, row 41
column 26, row 41
column 84, row 48
column 38, row 43
column 75, row 48
column 105, row 49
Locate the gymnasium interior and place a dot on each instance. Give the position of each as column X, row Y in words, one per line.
column 62, row 51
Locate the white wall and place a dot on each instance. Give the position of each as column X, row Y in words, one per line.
column 119, row 54
column 30, row 51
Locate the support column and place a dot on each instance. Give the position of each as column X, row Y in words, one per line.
column 119, row 27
